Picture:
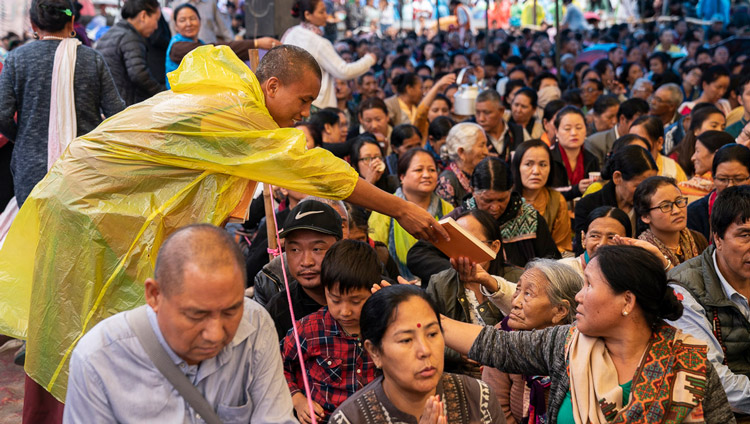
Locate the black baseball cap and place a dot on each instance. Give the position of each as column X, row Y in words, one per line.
column 313, row 215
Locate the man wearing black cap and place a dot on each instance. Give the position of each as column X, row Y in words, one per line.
column 309, row 230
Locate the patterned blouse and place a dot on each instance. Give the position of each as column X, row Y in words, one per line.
column 466, row 401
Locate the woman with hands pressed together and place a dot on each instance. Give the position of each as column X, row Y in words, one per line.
column 611, row 365
column 403, row 335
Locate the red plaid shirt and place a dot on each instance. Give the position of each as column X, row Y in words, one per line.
column 337, row 364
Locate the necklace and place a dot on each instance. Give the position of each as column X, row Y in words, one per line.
column 52, row 37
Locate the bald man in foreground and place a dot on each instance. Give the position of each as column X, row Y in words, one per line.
column 224, row 343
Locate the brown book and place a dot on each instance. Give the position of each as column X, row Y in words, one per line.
column 463, row 243
column 242, row 210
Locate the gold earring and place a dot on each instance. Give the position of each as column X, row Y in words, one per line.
column 73, row 33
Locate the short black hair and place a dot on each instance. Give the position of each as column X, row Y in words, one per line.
column 177, row 9
column 647, row 281
column 653, row 125
column 530, row 94
column 743, row 82
column 731, row 153
column 363, row 76
column 405, row 160
column 610, row 212
column 632, row 107
column 402, row 81
column 315, row 132
column 287, row 63
column 51, row 15
column 645, row 191
column 301, row 6
column 520, row 68
column 322, row 117
column 732, row 206
column 631, row 161
column 537, row 82
column 372, row 103
column 380, row 310
column 440, row 127
column 202, row 245
column 714, row 140
column 599, row 83
column 357, row 143
column 605, row 102
column 568, row 110
column 131, row 8
column 713, row 73
column 350, row 265
column 402, row 132
column 551, row 109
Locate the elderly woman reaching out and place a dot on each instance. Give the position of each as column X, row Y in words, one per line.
column 607, row 366
column 544, row 297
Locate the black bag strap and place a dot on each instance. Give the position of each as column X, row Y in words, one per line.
column 138, row 321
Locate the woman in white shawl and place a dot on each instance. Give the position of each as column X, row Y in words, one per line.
column 309, row 36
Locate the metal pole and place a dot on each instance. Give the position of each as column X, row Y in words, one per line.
column 534, row 13
column 487, row 26
column 558, row 41
column 437, row 12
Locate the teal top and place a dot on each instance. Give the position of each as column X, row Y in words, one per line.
column 735, row 129
column 169, row 65
column 565, row 415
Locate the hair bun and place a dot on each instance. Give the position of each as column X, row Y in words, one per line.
column 671, row 306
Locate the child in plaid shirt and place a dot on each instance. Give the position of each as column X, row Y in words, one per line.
column 334, row 354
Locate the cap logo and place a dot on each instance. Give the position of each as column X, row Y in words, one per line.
column 301, row 215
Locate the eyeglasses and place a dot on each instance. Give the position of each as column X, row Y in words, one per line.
column 731, row 180
column 590, row 90
column 667, row 207
column 369, row 159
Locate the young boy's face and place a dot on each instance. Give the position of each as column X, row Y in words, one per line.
column 346, row 307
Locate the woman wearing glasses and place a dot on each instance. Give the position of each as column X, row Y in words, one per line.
column 367, row 160
column 660, row 205
column 731, row 166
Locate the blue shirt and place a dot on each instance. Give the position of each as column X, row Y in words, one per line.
column 170, row 65
column 694, row 321
column 112, row 379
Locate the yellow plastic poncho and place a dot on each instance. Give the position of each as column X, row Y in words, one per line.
column 87, row 237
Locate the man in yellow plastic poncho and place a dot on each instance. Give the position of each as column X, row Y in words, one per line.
column 88, row 235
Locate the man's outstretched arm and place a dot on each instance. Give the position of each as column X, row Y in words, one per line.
column 417, row 221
